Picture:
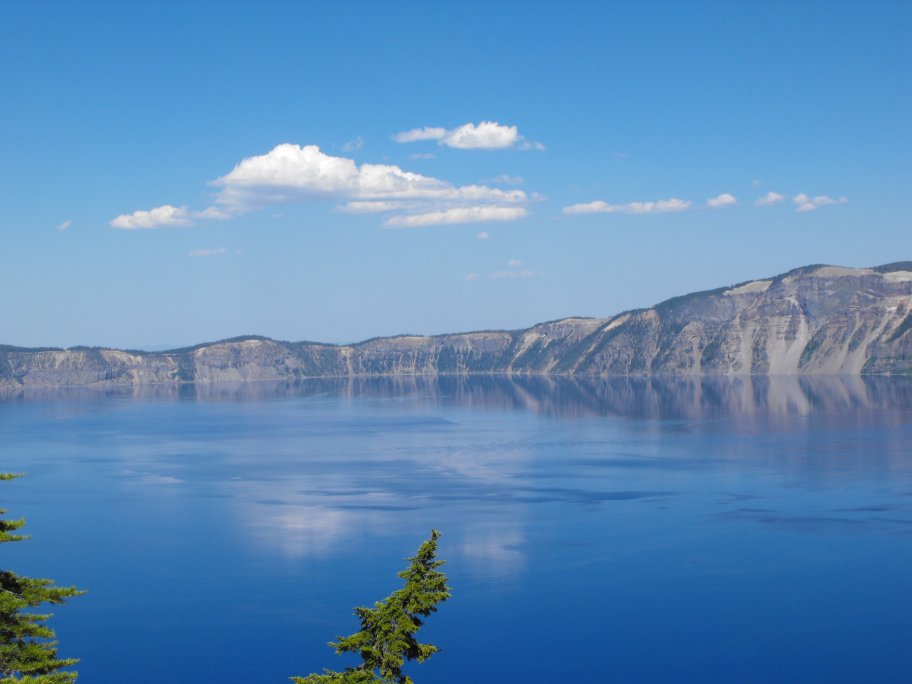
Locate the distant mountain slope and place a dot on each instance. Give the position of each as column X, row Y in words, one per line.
column 812, row 320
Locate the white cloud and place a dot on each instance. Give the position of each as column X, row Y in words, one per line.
column 284, row 172
column 293, row 173
column 499, row 275
column 483, row 235
column 514, row 262
column 487, row 135
column 212, row 213
column 423, row 155
column 769, row 199
column 601, row 207
column 471, row 276
column 473, row 214
column 165, row 215
column 724, row 200
column 290, row 172
column 505, row 179
column 214, row 251
column 353, row 145
column 371, row 206
column 417, row 134
column 806, row 203
column 63, row 226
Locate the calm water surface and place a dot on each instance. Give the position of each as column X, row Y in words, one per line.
column 618, row 531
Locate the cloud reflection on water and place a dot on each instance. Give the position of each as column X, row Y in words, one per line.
column 311, row 466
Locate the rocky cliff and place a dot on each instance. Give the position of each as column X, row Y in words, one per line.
column 821, row 320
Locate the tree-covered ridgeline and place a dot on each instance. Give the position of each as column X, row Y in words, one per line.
column 387, row 636
column 28, row 651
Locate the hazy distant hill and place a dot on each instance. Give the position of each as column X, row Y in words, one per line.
column 812, row 320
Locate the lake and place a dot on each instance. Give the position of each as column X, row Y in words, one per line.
column 752, row 530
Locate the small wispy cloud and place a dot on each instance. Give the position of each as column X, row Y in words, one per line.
column 769, row 199
column 726, row 199
column 419, row 134
column 371, row 206
column 471, row 276
column 353, row 145
column 63, row 226
column 211, row 213
column 658, row 207
column 165, row 215
column 502, row 275
column 805, row 202
column 487, row 135
column 208, row 252
column 514, row 262
column 477, row 214
column 505, row 179
column 422, row 155
column 483, row 235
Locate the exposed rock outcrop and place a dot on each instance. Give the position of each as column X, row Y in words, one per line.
column 820, row 320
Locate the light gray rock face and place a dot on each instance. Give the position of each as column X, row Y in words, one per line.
column 814, row 320
column 822, row 320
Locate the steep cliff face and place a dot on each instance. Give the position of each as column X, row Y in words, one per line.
column 813, row 320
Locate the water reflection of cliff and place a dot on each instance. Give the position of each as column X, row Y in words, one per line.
column 682, row 397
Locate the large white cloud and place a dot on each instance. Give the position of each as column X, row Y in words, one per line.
column 290, row 172
column 658, row 207
column 804, row 202
column 487, row 135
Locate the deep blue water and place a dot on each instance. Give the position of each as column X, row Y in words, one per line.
column 620, row 531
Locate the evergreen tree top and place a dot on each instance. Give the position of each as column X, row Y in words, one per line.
column 387, row 636
column 28, row 652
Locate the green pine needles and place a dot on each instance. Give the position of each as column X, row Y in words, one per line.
column 28, row 652
column 387, row 636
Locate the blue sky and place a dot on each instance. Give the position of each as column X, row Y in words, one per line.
column 173, row 173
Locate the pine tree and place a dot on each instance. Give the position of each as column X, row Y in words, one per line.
column 28, row 652
column 387, row 636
